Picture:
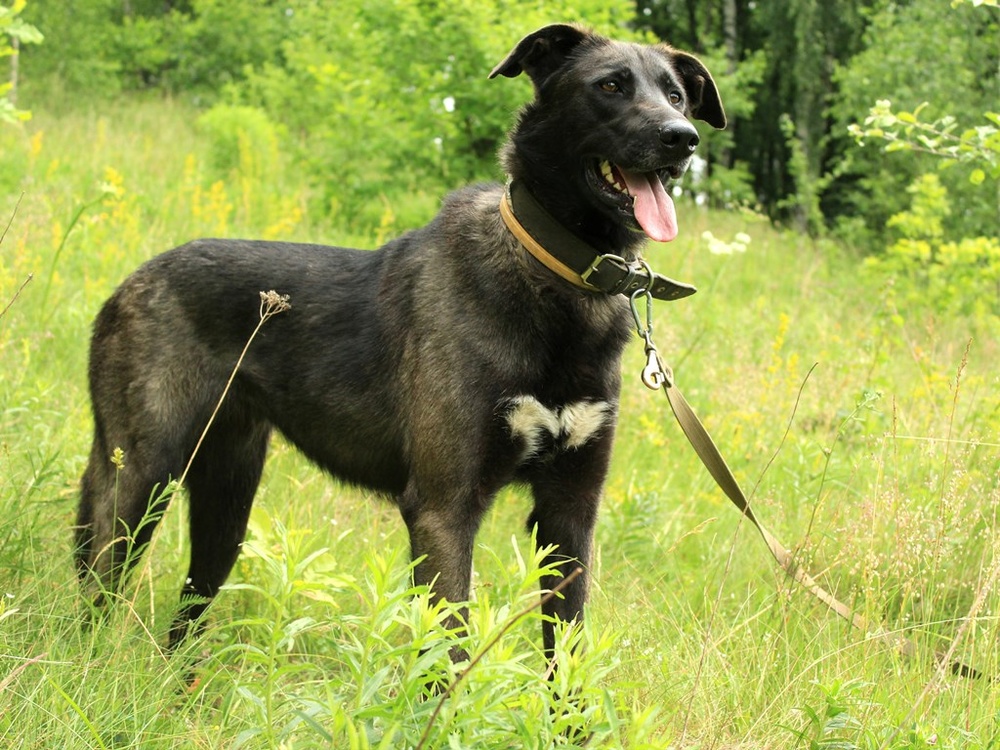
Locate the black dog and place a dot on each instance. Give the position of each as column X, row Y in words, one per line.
column 480, row 350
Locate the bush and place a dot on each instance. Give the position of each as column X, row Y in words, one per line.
column 956, row 65
column 959, row 276
column 390, row 105
column 241, row 139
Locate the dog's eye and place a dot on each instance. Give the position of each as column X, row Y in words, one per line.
column 611, row 87
column 675, row 97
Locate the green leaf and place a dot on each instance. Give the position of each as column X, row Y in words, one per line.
column 24, row 32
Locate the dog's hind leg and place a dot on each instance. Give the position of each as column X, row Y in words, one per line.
column 221, row 484
column 144, row 415
column 122, row 498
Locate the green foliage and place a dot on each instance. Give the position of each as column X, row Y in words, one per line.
column 387, row 105
column 195, row 47
column 200, row 49
column 832, row 726
column 12, row 27
column 821, row 63
column 240, row 138
column 956, row 69
column 392, row 102
column 81, row 39
column 955, row 277
column 905, row 131
column 14, row 30
column 930, row 205
column 382, row 650
column 804, row 203
column 802, row 41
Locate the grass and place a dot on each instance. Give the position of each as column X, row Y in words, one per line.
column 886, row 486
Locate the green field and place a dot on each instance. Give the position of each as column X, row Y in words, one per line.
column 879, row 469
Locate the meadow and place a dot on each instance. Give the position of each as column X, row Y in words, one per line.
column 863, row 416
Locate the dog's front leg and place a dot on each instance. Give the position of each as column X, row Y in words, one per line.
column 567, row 496
column 442, row 533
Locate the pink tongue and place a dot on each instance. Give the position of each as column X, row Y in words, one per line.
column 654, row 209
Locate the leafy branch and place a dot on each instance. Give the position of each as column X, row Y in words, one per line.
column 18, row 32
column 17, row 28
column 943, row 137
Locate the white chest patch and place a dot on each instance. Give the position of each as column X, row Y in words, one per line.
column 566, row 427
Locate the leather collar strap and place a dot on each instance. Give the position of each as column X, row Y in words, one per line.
column 565, row 254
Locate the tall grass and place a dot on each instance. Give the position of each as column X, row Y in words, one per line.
column 887, row 487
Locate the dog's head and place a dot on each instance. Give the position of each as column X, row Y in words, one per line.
column 608, row 128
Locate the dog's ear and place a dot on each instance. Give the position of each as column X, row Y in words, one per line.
column 541, row 53
column 705, row 102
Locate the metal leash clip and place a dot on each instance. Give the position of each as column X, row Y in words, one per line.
column 653, row 375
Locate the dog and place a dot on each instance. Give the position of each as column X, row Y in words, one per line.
column 480, row 350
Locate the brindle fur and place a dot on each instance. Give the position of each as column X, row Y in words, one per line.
column 398, row 369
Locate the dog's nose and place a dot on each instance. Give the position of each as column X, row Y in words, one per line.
column 680, row 138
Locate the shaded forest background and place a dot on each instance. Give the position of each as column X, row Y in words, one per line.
column 386, row 106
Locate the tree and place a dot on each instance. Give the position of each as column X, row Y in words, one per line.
column 976, row 145
column 948, row 269
column 779, row 59
column 102, row 47
column 956, row 69
column 389, row 104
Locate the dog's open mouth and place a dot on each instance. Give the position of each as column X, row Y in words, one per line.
column 642, row 195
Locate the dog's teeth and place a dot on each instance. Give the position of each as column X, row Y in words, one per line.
column 609, row 177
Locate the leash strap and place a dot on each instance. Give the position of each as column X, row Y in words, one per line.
column 712, row 458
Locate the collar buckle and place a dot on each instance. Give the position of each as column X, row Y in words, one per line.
column 615, row 275
column 595, row 266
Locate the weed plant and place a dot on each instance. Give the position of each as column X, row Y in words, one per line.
column 885, row 484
